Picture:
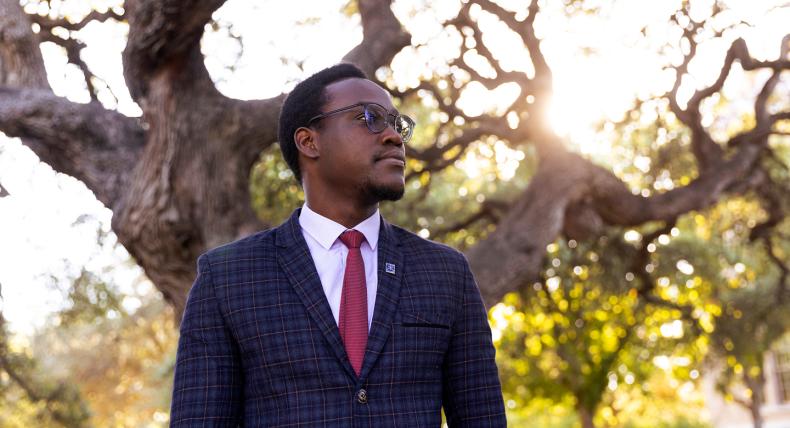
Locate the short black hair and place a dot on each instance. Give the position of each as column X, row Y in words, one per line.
column 304, row 103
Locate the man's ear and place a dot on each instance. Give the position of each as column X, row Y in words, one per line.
column 305, row 139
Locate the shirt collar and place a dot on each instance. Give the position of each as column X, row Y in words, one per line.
column 326, row 231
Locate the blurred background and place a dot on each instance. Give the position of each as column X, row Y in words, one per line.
column 616, row 172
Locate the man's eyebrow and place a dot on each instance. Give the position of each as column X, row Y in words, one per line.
column 393, row 110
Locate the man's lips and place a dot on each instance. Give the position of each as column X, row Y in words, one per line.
column 394, row 158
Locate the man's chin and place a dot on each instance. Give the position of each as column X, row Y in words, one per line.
column 386, row 193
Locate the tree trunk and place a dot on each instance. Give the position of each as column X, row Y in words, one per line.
column 757, row 417
column 585, row 416
column 756, row 385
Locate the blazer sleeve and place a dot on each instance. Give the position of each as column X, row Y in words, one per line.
column 207, row 390
column 472, row 394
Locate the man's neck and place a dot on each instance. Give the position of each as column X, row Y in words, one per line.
column 340, row 210
column 344, row 207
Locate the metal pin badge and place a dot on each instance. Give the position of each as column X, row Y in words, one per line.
column 389, row 268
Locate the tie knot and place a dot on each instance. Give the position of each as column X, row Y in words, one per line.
column 352, row 238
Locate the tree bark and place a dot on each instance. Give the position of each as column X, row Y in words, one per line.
column 585, row 416
column 757, row 417
column 757, row 386
column 21, row 63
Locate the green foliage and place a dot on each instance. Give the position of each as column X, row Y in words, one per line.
column 275, row 192
column 29, row 396
column 90, row 298
column 580, row 331
column 123, row 364
column 105, row 372
column 541, row 413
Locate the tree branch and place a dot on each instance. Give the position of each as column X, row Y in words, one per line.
column 705, row 150
column 537, row 217
column 773, row 204
column 48, row 23
column 435, row 156
column 465, row 20
column 526, row 31
column 383, row 37
column 490, row 209
column 617, row 205
column 540, row 85
column 253, row 132
column 21, row 63
column 447, row 107
column 97, row 146
column 162, row 33
column 88, row 142
column 435, row 152
column 513, row 253
column 73, row 48
column 785, row 115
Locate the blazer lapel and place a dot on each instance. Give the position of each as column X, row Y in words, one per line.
column 295, row 260
column 390, row 275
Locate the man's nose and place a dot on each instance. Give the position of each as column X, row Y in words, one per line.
column 390, row 136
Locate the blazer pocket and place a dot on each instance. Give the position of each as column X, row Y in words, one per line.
column 420, row 341
column 427, row 320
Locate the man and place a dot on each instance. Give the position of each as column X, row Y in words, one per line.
column 337, row 318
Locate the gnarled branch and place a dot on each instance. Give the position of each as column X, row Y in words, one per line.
column 383, row 37
column 97, row 146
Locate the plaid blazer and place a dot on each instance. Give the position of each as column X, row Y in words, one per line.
column 259, row 346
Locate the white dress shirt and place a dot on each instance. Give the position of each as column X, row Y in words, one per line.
column 329, row 255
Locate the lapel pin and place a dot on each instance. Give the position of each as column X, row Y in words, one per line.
column 389, row 268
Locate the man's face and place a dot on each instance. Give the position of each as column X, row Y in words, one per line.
column 352, row 158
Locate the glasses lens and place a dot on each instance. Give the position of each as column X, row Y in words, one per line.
column 377, row 120
column 404, row 125
column 376, row 117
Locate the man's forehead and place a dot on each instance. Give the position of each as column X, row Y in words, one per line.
column 355, row 90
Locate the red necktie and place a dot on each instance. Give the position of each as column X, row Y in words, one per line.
column 353, row 322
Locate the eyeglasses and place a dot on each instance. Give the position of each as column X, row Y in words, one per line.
column 377, row 118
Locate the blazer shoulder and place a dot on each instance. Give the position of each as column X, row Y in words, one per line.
column 256, row 245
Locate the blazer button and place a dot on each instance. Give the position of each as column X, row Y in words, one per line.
column 362, row 396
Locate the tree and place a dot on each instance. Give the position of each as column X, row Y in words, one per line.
column 174, row 177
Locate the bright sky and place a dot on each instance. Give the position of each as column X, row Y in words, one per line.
column 49, row 224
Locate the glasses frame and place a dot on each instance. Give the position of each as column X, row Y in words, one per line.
column 390, row 118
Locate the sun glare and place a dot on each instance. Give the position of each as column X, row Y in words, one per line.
column 601, row 67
